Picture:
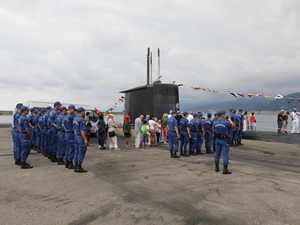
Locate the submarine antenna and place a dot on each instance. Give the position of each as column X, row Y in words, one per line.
column 151, row 68
column 158, row 72
column 148, row 55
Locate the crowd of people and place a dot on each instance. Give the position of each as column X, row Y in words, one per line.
column 283, row 120
column 54, row 132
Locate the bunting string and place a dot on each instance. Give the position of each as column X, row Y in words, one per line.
column 112, row 108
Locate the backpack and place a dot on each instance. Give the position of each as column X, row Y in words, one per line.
column 144, row 129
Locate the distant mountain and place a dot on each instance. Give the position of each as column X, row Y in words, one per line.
column 247, row 104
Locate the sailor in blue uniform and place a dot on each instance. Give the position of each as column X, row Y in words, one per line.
column 25, row 137
column 173, row 134
column 38, row 131
column 61, row 141
column 69, row 136
column 41, row 126
column 201, row 132
column 31, row 122
column 208, row 134
column 237, row 128
column 214, row 139
column 46, row 132
column 220, row 131
column 232, row 128
column 53, row 135
column 194, row 134
column 184, row 134
column 242, row 118
column 80, row 140
column 15, row 134
column 29, row 117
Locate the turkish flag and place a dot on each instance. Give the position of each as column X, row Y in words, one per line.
column 98, row 112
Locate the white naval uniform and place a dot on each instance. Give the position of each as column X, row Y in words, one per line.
column 295, row 122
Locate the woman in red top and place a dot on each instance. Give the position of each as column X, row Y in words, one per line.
column 253, row 121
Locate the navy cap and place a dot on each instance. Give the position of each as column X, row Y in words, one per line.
column 24, row 108
column 40, row 109
column 31, row 109
column 80, row 109
column 71, row 107
column 17, row 106
column 200, row 114
column 43, row 110
column 215, row 114
column 63, row 108
column 195, row 115
column 208, row 114
column 49, row 107
column 241, row 110
column 57, row 103
column 20, row 106
column 172, row 112
column 220, row 113
column 185, row 113
column 234, row 110
column 35, row 112
column 231, row 109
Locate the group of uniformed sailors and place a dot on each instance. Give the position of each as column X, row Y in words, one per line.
column 221, row 132
column 54, row 132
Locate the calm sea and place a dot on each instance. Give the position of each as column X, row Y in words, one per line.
column 263, row 121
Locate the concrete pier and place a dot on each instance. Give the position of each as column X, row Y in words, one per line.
column 137, row 186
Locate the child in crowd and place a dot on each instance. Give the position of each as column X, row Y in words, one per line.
column 145, row 129
column 165, row 136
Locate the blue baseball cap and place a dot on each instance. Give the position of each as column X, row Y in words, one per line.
column 208, row 114
column 195, row 115
column 215, row 114
column 241, row 110
column 200, row 114
column 17, row 106
column 71, row 107
column 57, row 103
column 173, row 112
column 185, row 113
column 31, row 109
column 80, row 109
column 20, row 106
column 49, row 107
column 40, row 109
column 63, row 108
column 231, row 109
column 220, row 113
column 24, row 108
column 43, row 110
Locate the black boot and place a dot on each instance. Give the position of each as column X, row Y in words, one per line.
column 35, row 148
column 172, row 154
column 39, row 150
column 18, row 162
column 214, row 149
column 75, row 167
column 71, row 165
column 45, row 154
column 217, row 169
column 80, row 169
column 181, row 153
column 200, row 152
column 186, row 155
column 226, row 171
column 67, row 164
column 26, row 166
column 192, row 153
column 208, row 151
column 15, row 157
column 60, row 161
column 175, row 155
column 54, row 158
column 241, row 143
column 196, row 152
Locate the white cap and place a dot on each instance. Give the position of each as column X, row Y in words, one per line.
column 294, row 109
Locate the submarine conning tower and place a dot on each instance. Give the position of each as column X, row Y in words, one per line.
column 153, row 98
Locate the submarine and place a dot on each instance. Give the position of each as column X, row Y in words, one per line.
column 153, row 98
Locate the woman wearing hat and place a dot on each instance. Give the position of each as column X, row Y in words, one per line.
column 127, row 129
column 112, row 136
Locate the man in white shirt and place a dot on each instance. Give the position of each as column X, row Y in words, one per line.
column 295, row 121
column 138, row 127
column 190, row 117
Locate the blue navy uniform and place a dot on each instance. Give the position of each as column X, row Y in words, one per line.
column 70, row 148
column 208, row 134
column 200, row 134
column 184, row 136
column 242, row 118
column 42, row 126
column 80, row 149
column 37, row 130
column 53, row 135
column 29, row 117
column 221, row 127
column 32, row 121
column 15, row 134
column 214, row 138
column 237, row 128
column 194, row 133
column 61, row 141
column 173, row 139
column 46, row 133
column 231, row 129
column 24, row 138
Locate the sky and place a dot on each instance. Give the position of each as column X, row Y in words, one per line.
column 88, row 51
